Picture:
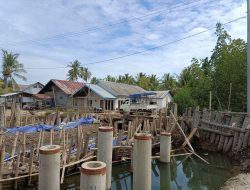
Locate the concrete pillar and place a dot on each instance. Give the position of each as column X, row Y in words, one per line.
column 165, row 147
column 49, row 167
column 142, row 161
column 93, row 176
column 104, row 153
column 165, row 176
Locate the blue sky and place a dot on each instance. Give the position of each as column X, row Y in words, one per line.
column 51, row 33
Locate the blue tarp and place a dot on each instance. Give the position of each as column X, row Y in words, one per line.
column 43, row 127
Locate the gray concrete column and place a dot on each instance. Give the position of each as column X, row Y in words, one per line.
column 165, row 176
column 165, row 147
column 104, row 152
column 142, row 161
column 49, row 167
column 93, row 176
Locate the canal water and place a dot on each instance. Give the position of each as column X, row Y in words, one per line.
column 183, row 173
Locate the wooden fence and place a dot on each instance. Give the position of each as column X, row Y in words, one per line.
column 228, row 131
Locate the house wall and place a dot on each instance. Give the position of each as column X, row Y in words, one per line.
column 94, row 102
column 118, row 102
column 162, row 102
column 28, row 100
column 60, row 98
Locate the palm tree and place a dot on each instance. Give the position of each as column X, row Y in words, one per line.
column 74, row 71
column 168, row 82
column 110, row 78
column 84, row 73
column 128, row 79
column 11, row 67
column 154, row 82
column 94, row 80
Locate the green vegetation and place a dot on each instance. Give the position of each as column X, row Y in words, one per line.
column 10, row 68
column 78, row 71
column 226, row 67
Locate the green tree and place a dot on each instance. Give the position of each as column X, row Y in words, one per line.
column 153, row 82
column 110, row 78
column 11, row 68
column 183, row 97
column 168, row 82
column 84, row 73
column 128, row 79
column 74, row 70
column 94, row 80
column 142, row 80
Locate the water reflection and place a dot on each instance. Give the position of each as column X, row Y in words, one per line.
column 183, row 173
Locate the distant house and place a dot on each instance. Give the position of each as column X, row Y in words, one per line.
column 92, row 95
column 32, row 88
column 61, row 91
column 21, row 94
column 119, row 90
column 163, row 98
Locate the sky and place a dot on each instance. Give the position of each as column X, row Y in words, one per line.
column 49, row 34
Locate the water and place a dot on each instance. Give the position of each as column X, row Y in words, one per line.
column 183, row 173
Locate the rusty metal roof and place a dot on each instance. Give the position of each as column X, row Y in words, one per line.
column 68, row 87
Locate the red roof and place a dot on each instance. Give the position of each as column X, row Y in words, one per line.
column 68, row 86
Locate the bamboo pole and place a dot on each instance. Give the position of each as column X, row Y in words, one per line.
column 39, row 143
column 2, row 154
column 13, row 151
column 17, row 166
column 31, row 163
column 24, row 148
column 178, row 125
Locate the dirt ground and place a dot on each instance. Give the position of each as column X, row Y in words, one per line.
column 239, row 182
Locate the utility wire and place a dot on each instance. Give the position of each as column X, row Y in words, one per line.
column 128, row 20
column 150, row 49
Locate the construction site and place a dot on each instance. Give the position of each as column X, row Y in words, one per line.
column 203, row 140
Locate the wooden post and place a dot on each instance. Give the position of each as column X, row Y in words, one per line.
column 86, row 143
column 13, row 151
column 31, row 163
column 78, row 144
column 160, row 120
column 2, row 154
column 39, row 143
column 24, row 148
column 18, row 114
column 17, row 165
column 12, row 116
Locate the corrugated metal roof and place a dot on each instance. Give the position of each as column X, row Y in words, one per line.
column 9, row 94
column 100, row 91
column 68, row 87
column 120, row 89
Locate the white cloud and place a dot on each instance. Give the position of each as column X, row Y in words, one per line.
column 39, row 20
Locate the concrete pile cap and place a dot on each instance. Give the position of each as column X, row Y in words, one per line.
column 49, row 149
column 105, row 129
column 165, row 134
column 93, row 168
column 142, row 136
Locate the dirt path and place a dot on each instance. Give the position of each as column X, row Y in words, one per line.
column 239, row 182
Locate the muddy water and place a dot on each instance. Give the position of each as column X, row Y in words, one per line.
column 183, row 173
